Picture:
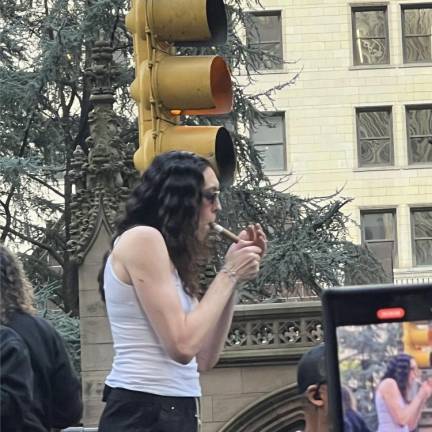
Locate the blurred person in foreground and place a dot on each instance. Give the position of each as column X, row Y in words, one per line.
column 16, row 380
column 312, row 385
column 55, row 399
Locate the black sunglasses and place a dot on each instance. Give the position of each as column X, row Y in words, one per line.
column 211, row 197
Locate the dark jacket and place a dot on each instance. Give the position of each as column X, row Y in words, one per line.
column 354, row 419
column 16, row 380
column 56, row 389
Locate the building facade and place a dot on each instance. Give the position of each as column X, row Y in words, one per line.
column 358, row 118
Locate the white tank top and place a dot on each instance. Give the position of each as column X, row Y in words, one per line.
column 140, row 361
column 385, row 419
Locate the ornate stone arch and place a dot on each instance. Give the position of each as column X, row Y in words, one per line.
column 280, row 411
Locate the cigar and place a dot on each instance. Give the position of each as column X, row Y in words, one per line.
column 224, row 232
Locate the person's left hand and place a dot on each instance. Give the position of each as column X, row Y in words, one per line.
column 255, row 233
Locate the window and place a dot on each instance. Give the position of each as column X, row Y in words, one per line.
column 421, row 228
column 417, row 33
column 379, row 236
column 265, row 34
column 269, row 139
column 419, row 130
column 370, row 35
column 374, row 136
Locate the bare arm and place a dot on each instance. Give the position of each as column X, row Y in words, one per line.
column 215, row 341
column 429, row 382
column 209, row 354
column 407, row 415
column 143, row 256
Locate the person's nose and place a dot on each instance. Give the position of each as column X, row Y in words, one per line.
column 218, row 204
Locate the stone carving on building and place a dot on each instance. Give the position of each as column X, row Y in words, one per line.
column 270, row 333
column 104, row 176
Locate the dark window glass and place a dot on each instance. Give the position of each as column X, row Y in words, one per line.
column 370, row 36
column 269, row 140
column 417, row 33
column 265, row 34
column 421, row 222
column 374, row 137
column 419, row 128
column 379, row 235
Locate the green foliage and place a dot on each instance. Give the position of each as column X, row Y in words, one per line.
column 47, row 299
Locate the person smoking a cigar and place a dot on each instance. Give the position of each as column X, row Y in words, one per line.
column 163, row 333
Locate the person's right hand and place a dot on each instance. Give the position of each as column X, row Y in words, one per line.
column 426, row 389
column 243, row 259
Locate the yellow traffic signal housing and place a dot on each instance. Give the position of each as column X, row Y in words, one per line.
column 167, row 85
column 417, row 341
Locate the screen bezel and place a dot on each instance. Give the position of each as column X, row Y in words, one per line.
column 358, row 306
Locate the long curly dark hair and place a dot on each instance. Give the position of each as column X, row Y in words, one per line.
column 399, row 368
column 169, row 198
column 15, row 290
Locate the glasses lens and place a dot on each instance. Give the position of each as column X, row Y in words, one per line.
column 211, row 197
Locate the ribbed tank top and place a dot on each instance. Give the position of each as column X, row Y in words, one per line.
column 140, row 361
column 385, row 420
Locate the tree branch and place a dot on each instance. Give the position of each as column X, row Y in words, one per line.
column 43, row 246
column 47, row 185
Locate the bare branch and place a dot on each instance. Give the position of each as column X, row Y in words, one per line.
column 43, row 246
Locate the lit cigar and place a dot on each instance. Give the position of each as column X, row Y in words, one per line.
column 224, row 232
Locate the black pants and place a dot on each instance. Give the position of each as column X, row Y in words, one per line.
column 133, row 411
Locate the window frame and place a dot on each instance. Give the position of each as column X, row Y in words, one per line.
column 413, row 238
column 272, row 12
column 360, row 109
column 364, row 8
column 391, row 210
column 409, row 149
column 274, row 143
column 405, row 7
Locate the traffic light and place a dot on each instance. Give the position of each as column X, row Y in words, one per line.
column 417, row 340
column 167, row 85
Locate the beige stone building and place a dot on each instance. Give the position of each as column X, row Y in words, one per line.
column 359, row 116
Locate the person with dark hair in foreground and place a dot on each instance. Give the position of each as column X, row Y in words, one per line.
column 395, row 412
column 312, row 385
column 56, row 398
column 164, row 330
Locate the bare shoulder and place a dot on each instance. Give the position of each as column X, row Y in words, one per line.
column 141, row 233
column 387, row 385
column 142, row 240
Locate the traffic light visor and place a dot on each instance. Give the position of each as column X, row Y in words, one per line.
column 212, row 142
column 189, row 22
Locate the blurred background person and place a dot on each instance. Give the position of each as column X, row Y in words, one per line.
column 56, row 399
column 351, row 416
column 395, row 412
